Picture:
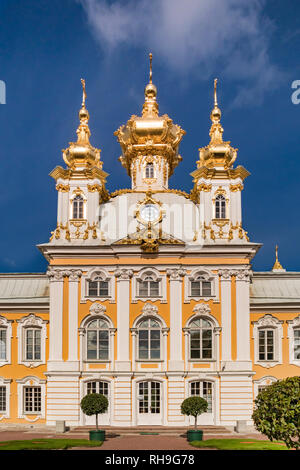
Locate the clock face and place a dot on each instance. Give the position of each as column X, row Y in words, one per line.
column 149, row 213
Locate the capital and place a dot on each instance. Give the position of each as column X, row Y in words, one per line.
column 124, row 274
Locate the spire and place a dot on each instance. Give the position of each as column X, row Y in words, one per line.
column 150, row 107
column 217, row 153
column 216, row 130
column 277, row 266
column 81, row 153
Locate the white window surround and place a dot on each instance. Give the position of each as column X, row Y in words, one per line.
column 202, row 311
column 208, row 276
column 156, row 276
column 6, row 383
column 263, row 382
column 6, row 324
column 31, row 321
column 292, row 326
column 31, row 381
column 268, row 322
column 164, row 393
column 97, row 312
column 90, row 276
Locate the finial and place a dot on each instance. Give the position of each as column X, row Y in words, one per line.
column 277, row 266
column 83, row 91
column 150, row 72
column 215, row 91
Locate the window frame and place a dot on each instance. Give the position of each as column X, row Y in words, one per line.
column 152, row 171
column 98, row 348
column 31, row 321
column 35, row 330
column 156, row 277
column 149, row 329
column 191, row 330
column 201, row 386
column 220, row 207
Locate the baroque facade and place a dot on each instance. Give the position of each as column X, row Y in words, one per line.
column 149, row 296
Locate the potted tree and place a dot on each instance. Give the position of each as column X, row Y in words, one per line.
column 94, row 404
column 194, row 406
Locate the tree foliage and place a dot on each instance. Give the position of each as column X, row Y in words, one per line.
column 277, row 411
column 94, row 404
column 194, row 406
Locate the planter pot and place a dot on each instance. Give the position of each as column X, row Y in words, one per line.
column 97, row 435
column 194, row 435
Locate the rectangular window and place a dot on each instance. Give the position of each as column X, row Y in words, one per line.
column 33, row 345
column 148, row 288
column 98, row 288
column 297, row 344
column 3, row 344
column 32, row 400
column 2, row 399
column 266, row 345
column 200, row 288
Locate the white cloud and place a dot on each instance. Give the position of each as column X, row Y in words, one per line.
column 205, row 37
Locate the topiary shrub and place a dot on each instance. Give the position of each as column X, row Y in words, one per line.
column 277, row 411
column 94, row 404
column 194, row 406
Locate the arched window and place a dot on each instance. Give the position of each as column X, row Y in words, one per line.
column 78, row 207
column 149, row 339
column 201, row 388
column 201, row 287
column 149, row 170
column 98, row 340
column 201, row 339
column 98, row 287
column 220, row 206
column 148, row 287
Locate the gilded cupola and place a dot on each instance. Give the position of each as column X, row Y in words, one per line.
column 217, row 154
column 81, row 154
column 150, row 139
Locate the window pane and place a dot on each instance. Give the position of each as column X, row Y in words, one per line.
column 143, row 289
column 206, row 288
column 154, row 288
column 195, row 288
column 37, row 345
column 103, row 289
column 29, row 345
column 93, row 288
column 92, row 345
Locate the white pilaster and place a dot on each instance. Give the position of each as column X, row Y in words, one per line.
column 226, row 313
column 74, row 277
column 56, row 314
column 176, row 361
column 123, row 303
column 243, row 314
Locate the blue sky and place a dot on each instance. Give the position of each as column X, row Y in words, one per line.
column 46, row 46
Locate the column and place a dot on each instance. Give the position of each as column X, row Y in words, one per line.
column 55, row 315
column 243, row 314
column 176, row 276
column 123, row 304
column 74, row 277
column 225, row 276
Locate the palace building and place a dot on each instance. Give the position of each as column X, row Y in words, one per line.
column 149, row 296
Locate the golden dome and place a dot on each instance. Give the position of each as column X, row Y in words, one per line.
column 218, row 153
column 81, row 153
column 150, row 134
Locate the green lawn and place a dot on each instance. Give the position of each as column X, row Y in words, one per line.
column 48, row 444
column 240, row 444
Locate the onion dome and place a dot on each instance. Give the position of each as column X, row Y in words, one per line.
column 217, row 153
column 150, row 134
column 81, row 154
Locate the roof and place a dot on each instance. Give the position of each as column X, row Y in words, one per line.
column 269, row 288
column 24, row 288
